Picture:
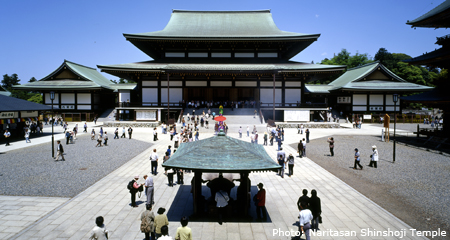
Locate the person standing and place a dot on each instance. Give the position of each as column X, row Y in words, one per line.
column 106, row 139
column 135, row 187
column 303, row 199
column 149, row 189
column 331, row 141
column 130, row 132
column 290, row 162
column 99, row 232
column 300, row 148
column 155, row 134
column 265, row 138
column 85, row 127
column 101, row 131
column 240, row 132
column 160, row 220
column 184, row 232
column 357, row 159
column 93, row 134
column 281, row 155
column 316, row 210
column 67, row 137
column 305, row 218
column 279, row 142
column 176, row 140
column 59, row 151
column 148, row 219
column 221, row 203
column 307, row 135
column 304, row 148
column 27, row 136
column 154, row 160
column 123, row 133
column 374, row 157
column 260, row 202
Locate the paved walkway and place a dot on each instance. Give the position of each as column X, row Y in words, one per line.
column 344, row 209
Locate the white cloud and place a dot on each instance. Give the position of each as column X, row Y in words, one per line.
column 317, row 15
column 324, row 53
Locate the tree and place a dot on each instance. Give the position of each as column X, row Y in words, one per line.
column 32, row 79
column 386, row 58
column 9, row 81
column 344, row 58
column 35, row 97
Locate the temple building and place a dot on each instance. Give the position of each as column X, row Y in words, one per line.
column 80, row 92
column 220, row 56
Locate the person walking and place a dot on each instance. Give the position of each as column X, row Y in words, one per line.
column 260, row 202
column 303, row 199
column 101, row 131
column 316, row 210
column 265, row 138
column 160, row 220
column 290, row 161
column 331, row 142
column 357, row 159
column 59, row 151
column 123, row 133
column 165, row 233
column 85, row 127
column 99, row 140
column 279, row 142
column 99, row 232
column 155, row 134
column 176, row 140
column 184, row 232
column 307, row 135
column 374, row 157
column 106, row 139
column 154, row 161
column 149, row 189
column 240, row 132
column 281, row 155
column 304, row 148
column 148, row 222
column 130, row 132
column 67, row 137
column 93, row 134
column 116, row 133
column 305, row 218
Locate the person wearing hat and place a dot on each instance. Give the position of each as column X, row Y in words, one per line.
column 260, row 201
column 357, row 159
column 374, row 157
column 136, row 187
column 160, row 220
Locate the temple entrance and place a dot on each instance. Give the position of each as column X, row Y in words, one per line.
column 220, row 94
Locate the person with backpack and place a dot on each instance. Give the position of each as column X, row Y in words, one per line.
column 148, row 223
column 134, row 187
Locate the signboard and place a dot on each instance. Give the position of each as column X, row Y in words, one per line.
column 67, row 106
column 367, row 116
column 344, row 100
column 7, row 115
column 146, row 115
column 296, row 115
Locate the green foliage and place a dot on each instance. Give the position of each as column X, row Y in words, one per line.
column 113, row 81
column 35, row 97
column 409, row 73
column 32, row 79
column 344, row 58
column 9, row 81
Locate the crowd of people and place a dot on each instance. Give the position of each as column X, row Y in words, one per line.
column 196, row 104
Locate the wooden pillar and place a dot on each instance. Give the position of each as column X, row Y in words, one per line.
column 273, row 106
column 197, row 193
column 168, row 98
column 246, row 186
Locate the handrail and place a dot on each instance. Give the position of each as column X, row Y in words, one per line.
column 261, row 117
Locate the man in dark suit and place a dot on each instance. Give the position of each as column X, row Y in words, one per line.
column 59, row 151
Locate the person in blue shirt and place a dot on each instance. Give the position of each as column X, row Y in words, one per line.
column 357, row 159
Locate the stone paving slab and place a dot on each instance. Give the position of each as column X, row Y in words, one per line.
column 343, row 207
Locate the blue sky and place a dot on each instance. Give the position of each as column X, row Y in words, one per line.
column 38, row 35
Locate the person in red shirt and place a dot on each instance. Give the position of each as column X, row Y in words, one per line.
column 260, row 202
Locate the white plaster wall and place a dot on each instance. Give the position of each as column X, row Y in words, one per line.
column 149, row 83
column 221, row 83
column 48, row 101
column 196, row 83
column 359, row 108
column 296, row 115
column 124, row 96
column 270, row 84
column 172, row 83
column 293, row 84
column 359, row 99
column 84, row 98
column 376, row 99
column 149, row 95
column 84, row 107
column 67, row 98
column 246, row 84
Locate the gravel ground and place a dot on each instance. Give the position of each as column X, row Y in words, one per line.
column 414, row 188
column 32, row 172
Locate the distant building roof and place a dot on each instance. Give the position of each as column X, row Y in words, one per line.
column 438, row 58
column 151, row 66
column 365, row 78
column 222, row 24
column 438, row 17
column 222, row 154
column 11, row 104
column 70, row 75
column 316, row 88
column 4, row 92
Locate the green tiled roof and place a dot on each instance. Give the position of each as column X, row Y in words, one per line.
column 354, row 79
column 4, row 92
column 89, row 78
column 15, row 104
column 222, row 154
column 426, row 20
column 311, row 88
column 284, row 67
column 222, row 24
